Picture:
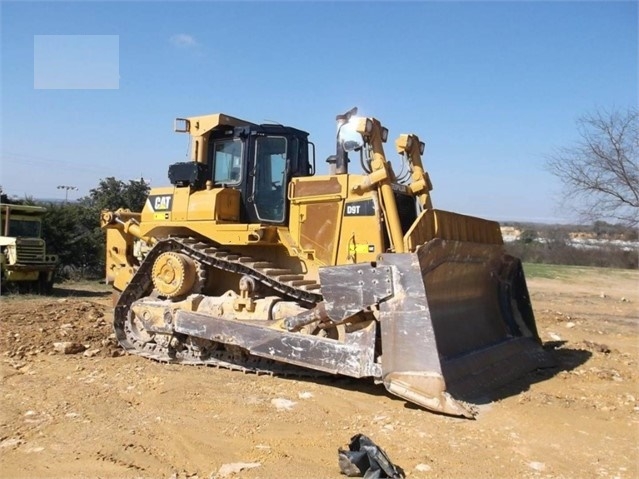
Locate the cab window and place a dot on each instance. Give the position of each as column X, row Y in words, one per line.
column 227, row 162
column 24, row 228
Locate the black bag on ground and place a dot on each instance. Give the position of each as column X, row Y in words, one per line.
column 367, row 459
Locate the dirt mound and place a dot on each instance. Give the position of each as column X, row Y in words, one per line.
column 37, row 325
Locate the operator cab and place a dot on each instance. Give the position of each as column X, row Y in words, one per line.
column 257, row 160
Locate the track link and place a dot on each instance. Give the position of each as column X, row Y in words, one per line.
column 289, row 284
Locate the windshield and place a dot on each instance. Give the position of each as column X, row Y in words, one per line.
column 227, row 162
column 24, row 228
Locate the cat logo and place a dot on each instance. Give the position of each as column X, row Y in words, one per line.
column 161, row 202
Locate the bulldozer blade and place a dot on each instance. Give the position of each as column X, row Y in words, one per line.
column 458, row 325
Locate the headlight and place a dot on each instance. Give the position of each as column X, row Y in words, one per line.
column 369, row 126
column 409, row 142
column 181, row 125
column 364, row 125
column 384, row 134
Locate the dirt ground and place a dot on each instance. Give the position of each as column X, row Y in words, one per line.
column 102, row 414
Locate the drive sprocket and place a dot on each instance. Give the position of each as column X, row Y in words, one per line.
column 174, row 274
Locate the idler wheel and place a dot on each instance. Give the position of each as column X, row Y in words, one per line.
column 174, row 274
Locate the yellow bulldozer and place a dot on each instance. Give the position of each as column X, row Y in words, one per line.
column 252, row 261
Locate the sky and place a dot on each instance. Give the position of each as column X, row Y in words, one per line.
column 90, row 89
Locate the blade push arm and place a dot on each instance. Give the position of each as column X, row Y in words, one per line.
column 125, row 221
column 381, row 176
column 410, row 147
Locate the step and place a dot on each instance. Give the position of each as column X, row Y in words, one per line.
column 302, row 282
column 290, row 277
column 312, row 287
column 275, row 271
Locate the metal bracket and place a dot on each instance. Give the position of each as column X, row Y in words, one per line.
column 350, row 289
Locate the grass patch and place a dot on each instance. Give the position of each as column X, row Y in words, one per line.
column 559, row 271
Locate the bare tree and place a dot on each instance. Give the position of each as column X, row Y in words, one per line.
column 601, row 171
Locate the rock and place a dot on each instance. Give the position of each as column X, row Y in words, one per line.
column 184, row 475
column 34, row 449
column 305, row 395
column 570, row 324
column 89, row 353
column 68, row 347
column 11, row 442
column 603, row 295
column 537, row 466
column 422, row 467
column 282, row 404
column 597, row 347
column 233, row 468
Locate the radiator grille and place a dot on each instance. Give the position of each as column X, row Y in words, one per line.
column 30, row 251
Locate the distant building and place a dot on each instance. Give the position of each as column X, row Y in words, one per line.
column 510, row 233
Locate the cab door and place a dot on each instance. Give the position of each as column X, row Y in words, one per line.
column 269, row 177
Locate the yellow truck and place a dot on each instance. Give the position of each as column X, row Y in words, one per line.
column 24, row 261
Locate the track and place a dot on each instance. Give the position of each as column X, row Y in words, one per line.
column 193, row 350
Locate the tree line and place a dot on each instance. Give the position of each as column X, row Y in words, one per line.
column 554, row 244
